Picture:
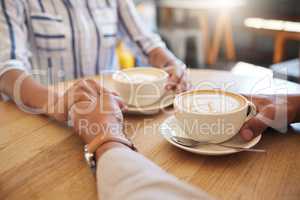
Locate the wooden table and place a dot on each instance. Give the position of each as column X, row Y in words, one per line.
column 41, row 159
column 222, row 29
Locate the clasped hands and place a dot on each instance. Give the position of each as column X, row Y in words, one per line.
column 92, row 109
column 86, row 102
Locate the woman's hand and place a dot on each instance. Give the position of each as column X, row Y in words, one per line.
column 177, row 77
column 273, row 111
column 164, row 59
column 98, row 116
column 82, row 90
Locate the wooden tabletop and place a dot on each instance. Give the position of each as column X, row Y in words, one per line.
column 40, row 159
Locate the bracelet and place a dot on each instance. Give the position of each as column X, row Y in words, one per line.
column 99, row 141
column 91, row 148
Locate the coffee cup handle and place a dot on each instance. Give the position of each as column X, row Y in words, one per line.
column 251, row 111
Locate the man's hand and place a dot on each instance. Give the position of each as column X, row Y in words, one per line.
column 98, row 116
column 275, row 112
column 82, row 90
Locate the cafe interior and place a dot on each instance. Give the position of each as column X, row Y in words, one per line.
column 228, row 34
column 248, row 47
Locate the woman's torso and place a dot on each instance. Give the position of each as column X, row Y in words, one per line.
column 71, row 38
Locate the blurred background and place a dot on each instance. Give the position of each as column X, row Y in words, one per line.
column 224, row 34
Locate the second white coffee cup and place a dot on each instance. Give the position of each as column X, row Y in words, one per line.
column 212, row 115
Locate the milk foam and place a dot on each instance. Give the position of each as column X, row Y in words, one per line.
column 210, row 103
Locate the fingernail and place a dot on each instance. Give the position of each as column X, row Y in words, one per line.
column 247, row 134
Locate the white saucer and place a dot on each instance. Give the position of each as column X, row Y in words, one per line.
column 171, row 128
column 166, row 101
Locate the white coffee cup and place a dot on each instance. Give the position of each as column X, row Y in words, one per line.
column 141, row 86
column 212, row 115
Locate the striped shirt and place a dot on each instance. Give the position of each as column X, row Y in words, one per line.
column 60, row 40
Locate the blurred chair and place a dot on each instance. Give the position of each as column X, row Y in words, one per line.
column 281, row 30
column 177, row 40
column 211, row 42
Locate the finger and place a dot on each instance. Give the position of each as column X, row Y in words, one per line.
column 171, row 85
column 120, row 102
column 117, row 105
column 76, row 109
column 181, row 87
column 115, row 94
column 99, row 89
column 174, row 73
column 252, row 128
column 172, row 82
column 183, row 84
column 71, row 100
column 169, row 69
column 177, row 69
column 105, row 90
column 86, row 87
column 258, row 124
column 94, row 84
column 81, row 97
column 75, row 91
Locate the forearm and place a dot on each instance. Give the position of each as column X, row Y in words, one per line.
column 125, row 174
column 31, row 93
column 160, row 57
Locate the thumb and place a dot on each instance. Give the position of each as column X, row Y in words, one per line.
column 120, row 102
column 252, row 128
column 257, row 125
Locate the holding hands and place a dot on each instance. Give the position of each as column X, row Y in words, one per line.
column 92, row 109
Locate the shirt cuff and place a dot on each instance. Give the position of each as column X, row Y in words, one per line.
column 153, row 43
column 11, row 65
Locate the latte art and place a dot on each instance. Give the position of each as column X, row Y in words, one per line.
column 212, row 115
column 140, row 86
column 210, row 103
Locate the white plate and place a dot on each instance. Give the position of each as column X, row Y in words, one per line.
column 166, row 101
column 171, row 128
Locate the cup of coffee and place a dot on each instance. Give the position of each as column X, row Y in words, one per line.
column 141, row 86
column 212, row 115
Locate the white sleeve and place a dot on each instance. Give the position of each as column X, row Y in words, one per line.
column 136, row 30
column 124, row 174
column 14, row 53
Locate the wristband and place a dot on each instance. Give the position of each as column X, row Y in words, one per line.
column 91, row 148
